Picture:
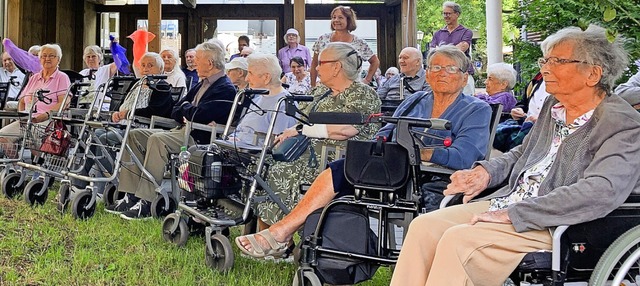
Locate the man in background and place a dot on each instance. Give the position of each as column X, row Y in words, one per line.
column 189, row 70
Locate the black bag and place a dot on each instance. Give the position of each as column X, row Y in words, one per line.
column 376, row 165
column 358, row 239
column 291, row 148
column 200, row 176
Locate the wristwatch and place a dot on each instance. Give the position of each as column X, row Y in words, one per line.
column 299, row 128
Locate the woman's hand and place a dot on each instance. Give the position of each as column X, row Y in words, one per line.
column 501, row 216
column 40, row 118
column 119, row 115
column 286, row 134
column 469, row 182
column 517, row 113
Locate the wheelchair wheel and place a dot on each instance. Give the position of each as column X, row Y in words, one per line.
column 220, row 257
column 621, row 260
column 158, row 209
column 80, row 207
column 10, row 189
column 111, row 194
column 64, row 195
column 31, row 193
column 178, row 236
column 308, row 279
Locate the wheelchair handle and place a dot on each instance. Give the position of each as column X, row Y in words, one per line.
column 300, row 98
column 250, row 91
column 336, row 118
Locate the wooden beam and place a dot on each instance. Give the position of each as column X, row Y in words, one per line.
column 14, row 16
column 155, row 17
column 299, row 15
column 409, row 23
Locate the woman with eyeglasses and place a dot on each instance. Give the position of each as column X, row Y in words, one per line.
column 470, row 133
column 343, row 22
column 93, row 57
column 338, row 68
column 49, row 78
column 578, row 164
column 292, row 50
column 298, row 79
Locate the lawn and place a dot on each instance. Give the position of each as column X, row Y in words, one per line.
column 41, row 246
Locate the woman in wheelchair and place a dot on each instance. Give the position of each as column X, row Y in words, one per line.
column 447, row 76
column 578, row 164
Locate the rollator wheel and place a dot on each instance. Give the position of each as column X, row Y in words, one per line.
column 624, row 251
column 111, row 194
column 64, row 193
column 221, row 256
column 158, row 209
column 31, row 193
column 10, row 189
column 308, row 279
column 180, row 235
column 80, row 207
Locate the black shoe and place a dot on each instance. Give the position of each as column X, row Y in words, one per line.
column 141, row 210
column 122, row 205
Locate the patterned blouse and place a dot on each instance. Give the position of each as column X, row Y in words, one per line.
column 529, row 182
column 295, row 86
column 359, row 44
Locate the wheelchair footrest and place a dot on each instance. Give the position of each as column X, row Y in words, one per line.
column 540, row 260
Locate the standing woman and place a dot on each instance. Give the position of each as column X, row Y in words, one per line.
column 298, row 78
column 293, row 49
column 93, row 57
column 343, row 22
column 175, row 76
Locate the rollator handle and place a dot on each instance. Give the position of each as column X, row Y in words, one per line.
column 250, row 91
column 300, row 98
column 336, row 118
column 157, row 77
column 433, row 123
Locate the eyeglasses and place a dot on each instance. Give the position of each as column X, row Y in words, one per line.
column 447, row 14
column 557, row 61
column 48, row 56
column 326, row 62
column 448, row 69
column 244, row 56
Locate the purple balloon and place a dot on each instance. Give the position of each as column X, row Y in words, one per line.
column 21, row 57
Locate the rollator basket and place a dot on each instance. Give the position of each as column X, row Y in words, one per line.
column 208, row 175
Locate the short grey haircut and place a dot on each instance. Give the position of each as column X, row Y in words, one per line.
column 189, row 50
column 503, row 72
column 453, row 5
column 155, row 56
column 219, row 43
column 351, row 64
column 452, row 52
column 174, row 54
column 34, row 50
column 593, row 47
column 54, row 47
column 214, row 52
column 268, row 64
column 93, row 50
column 415, row 53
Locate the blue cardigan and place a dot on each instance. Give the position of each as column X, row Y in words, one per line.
column 469, row 117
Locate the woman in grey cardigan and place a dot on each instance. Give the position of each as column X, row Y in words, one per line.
column 578, row 164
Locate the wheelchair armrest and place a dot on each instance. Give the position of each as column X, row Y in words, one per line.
column 556, row 247
column 162, row 122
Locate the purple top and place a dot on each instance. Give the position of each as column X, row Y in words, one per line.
column 57, row 84
column 459, row 34
column 505, row 98
column 285, row 54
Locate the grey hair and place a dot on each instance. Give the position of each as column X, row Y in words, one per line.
column 593, row 47
column 93, row 50
column 54, row 47
column 174, row 54
column 219, row 43
column 350, row 64
column 268, row 64
column 189, row 50
column 155, row 56
column 452, row 52
column 214, row 51
column 35, row 50
column 415, row 53
column 503, row 72
column 453, row 5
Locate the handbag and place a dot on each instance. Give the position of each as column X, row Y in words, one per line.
column 376, row 165
column 291, row 148
column 56, row 138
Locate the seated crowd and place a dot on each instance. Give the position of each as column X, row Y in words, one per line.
column 576, row 164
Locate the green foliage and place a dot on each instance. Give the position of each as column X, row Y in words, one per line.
column 619, row 17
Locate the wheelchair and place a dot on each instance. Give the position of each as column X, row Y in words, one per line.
column 385, row 177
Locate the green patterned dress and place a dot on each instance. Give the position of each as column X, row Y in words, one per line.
column 286, row 177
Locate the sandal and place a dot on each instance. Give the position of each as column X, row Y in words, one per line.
column 277, row 249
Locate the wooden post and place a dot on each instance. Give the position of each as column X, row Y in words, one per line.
column 299, row 15
column 14, row 20
column 408, row 16
column 155, row 17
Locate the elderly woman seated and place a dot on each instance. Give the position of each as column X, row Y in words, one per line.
column 447, row 76
column 579, row 163
column 175, row 76
column 93, row 58
column 501, row 78
column 51, row 79
column 338, row 68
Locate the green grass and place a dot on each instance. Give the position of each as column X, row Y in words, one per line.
column 40, row 246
